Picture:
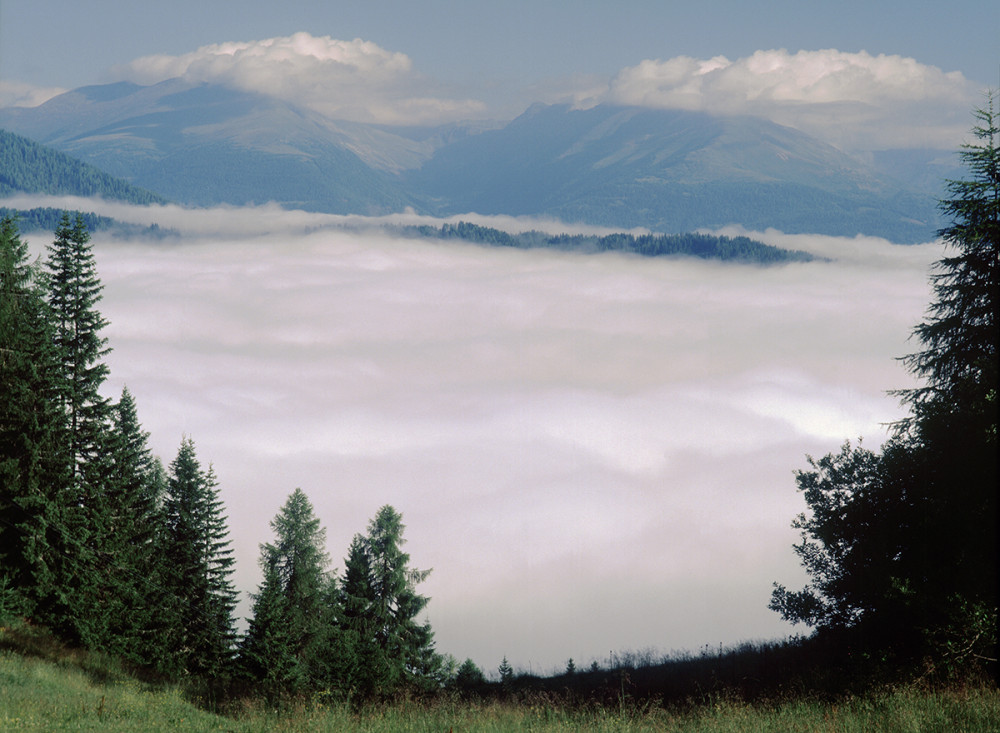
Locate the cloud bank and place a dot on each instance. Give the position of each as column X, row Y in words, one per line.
column 593, row 452
column 855, row 100
column 349, row 80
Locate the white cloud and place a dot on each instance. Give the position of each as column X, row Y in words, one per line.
column 855, row 100
column 593, row 452
column 18, row 94
column 350, row 80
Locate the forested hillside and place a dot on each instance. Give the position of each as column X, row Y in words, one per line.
column 30, row 167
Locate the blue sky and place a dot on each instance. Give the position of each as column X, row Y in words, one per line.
column 63, row 43
column 493, row 59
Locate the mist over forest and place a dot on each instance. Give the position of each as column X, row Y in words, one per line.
column 600, row 437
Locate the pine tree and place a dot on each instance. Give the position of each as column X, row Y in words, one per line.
column 200, row 565
column 74, row 289
column 367, row 669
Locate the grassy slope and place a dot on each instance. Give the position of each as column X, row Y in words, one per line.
column 44, row 687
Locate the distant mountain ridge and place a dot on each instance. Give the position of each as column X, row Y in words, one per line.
column 665, row 170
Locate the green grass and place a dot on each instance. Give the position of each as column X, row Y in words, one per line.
column 48, row 688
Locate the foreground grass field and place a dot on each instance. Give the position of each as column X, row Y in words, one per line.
column 56, row 695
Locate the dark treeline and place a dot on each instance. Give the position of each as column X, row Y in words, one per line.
column 46, row 219
column 115, row 552
column 706, row 246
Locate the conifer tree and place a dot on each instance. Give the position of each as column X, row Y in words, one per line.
column 74, row 291
column 293, row 621
column 127, row 540
column 380, row 606
column 31, row 425
column 902, row 545
column 200, row 568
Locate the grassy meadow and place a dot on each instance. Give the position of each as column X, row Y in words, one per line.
column 44, row 687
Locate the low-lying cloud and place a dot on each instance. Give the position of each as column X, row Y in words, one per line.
column 593, row 452
column 855, row 100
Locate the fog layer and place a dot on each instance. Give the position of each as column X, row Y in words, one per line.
column 593, row 452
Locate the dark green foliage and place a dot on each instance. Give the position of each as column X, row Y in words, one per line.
column 469, row 678
column 128, row 541
column 705, row 246
column 292, row 632
column 390, row 648
column 200, row 562
column 31, row 426
column 30, row 167
column 506, row 673
column 74, row 291
column 901, row 546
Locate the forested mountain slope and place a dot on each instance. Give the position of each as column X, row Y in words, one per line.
column 29, row 167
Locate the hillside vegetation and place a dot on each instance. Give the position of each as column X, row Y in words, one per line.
column 30, row 167
column 47, row 686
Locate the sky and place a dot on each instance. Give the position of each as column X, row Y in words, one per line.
column 865, row 75
column 594, row 453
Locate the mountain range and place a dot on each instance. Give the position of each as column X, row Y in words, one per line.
column 621, row 167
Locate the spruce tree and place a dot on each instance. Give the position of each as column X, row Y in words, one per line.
column 74, row 291
column 77, row 610
column 127, row 539
column 200, row 562
column 31, row 425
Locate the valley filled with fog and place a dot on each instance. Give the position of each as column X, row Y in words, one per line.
column 603, row 438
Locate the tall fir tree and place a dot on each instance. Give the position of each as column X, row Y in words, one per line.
column 31, row 426
column 127, row 538
column 74, row 290
column 200, row 559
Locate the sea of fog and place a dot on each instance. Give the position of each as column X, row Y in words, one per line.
column 594, row 453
